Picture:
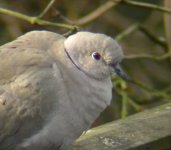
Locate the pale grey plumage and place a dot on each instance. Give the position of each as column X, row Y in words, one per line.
column 47, row 98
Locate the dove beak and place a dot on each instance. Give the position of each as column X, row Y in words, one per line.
column 119, row 71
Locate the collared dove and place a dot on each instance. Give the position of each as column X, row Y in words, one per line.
column 52, row 88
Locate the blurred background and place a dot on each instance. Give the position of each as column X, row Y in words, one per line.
column 142, row 32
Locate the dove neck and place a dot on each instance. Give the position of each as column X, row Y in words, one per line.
column 71, row 59
column 86, row 97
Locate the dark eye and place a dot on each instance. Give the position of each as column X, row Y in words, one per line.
column 96, row 56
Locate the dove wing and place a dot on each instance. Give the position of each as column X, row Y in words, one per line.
column 29, row 87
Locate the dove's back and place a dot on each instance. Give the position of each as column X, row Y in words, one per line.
column 28, row 86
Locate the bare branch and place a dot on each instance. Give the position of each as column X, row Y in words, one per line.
column 149, row 34
column 146, row 5
column 86, row 19
column 153, row 37
column 154, row 91
column 35, row 20
column 46, row 9
column 127, row 31
column 96, row 13
column 110, row 4
column 146, row 56
column 167, row 24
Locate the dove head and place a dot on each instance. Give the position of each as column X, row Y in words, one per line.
column 94, row 54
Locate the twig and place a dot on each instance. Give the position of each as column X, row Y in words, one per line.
column 124, row 104
column 134, row 104
column 167, row 24
column 120, row 86
column 146, row 5
column 153, row 91
column 123, row 85
column 153, row 37
column 136, row 26
column 110, row 4
column 64, row 18
column 127, row 31
column 46, row 9
column 36, row 20
column 168, row 89
column 96, row 13
column 125, row 100
column 146, row 56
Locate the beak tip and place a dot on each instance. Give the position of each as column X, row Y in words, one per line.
column 119, row 71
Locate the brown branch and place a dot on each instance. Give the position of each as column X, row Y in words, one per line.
column 127, row 31
column 159, row 93
column 148, row 33
column 146, row 56
column 35, row 20
column 84, row 20
column 51, row 3
column 146, row 5
column 112, row 3
column 167, row 24
column 153, row 37
column 96, row 13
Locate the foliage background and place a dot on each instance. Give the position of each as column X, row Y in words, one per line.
column 143, row 32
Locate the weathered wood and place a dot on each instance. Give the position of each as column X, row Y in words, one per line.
column 148, row 130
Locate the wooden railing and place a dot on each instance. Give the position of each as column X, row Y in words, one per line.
column 147, row 130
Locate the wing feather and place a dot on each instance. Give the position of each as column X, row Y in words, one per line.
column 30, row 88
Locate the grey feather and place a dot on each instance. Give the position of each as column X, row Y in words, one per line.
column 51, row 90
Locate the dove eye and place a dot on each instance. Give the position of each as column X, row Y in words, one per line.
column 96, row 55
